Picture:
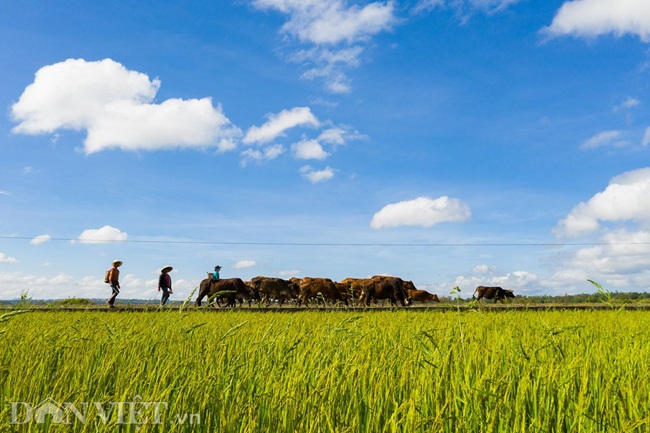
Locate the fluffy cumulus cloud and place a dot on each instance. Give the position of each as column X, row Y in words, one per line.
column 591, row 18
column 41, row 239
column 278, row 124
column 335, row 33
column 103, row 235
column 309, row 149
column 115, row 107
column 624, row 199
column 421, row 212
column 621, row 261
column 317, row 176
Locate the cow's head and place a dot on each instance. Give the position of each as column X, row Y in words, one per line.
column 508, row 293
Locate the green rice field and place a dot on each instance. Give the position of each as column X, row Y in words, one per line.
column 325, row 371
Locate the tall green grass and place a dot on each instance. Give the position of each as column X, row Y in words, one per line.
column 397, row 371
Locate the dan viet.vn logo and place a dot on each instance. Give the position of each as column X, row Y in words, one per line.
column 136, row 412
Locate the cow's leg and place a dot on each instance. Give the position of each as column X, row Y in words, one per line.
column 202, row 293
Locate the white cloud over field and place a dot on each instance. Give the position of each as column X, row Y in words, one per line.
column 102, row 235
column 624, row 200
column 591, row 18
column 115, row 107
column 421, row 212
column 61, row 286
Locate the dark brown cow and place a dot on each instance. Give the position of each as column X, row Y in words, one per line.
column 492, row 292
column 421, row 296
column 383, row 287
column 319, row 289
column 234, row 289
column 275, row 288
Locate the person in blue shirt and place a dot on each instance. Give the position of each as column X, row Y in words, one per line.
column 215, row 275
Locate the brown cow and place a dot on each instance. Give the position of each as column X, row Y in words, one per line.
column 233, row 289
column 353, row 286
column 492, row 292
column 275, row 288
column 383, row 287
column 421, row 296
column 320, row 289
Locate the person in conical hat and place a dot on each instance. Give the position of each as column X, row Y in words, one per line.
column 165, row 284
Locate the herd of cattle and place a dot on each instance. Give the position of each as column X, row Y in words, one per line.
column 302, row 291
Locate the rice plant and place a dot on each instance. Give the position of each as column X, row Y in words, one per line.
column 388, row 371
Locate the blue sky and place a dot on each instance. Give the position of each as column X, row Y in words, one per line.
column 448, row 142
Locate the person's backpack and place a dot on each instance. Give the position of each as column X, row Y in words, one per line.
column 106, row 276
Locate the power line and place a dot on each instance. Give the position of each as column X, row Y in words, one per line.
column 334, row 244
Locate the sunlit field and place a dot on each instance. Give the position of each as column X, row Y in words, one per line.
column 323, row 371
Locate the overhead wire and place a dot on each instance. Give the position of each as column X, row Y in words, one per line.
column 330, row 244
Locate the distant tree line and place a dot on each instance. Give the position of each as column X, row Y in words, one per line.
column 582, row 298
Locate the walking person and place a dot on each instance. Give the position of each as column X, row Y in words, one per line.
column 165, row 284
column 114, row 280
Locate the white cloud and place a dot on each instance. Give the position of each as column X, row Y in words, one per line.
column 627, row 104
column 624, row 199
column 591, row 18
column 61, row 286
column 288, row 273
column 6, row 259
column 605, row 138
column 333, row 136
column 3, row 192
column 620, row 261
column 329, row 64
column 331, row 21
column 482, row 269
column 115, row 107
column 463, row 7
column 277, row 124
column 334, row 30
column 421, row 212
column 490, row 5
column 266, row 154
column 242, row 264
column 316, row 176
column 102, row 235
column 646, row 137
column 41, row 239
column 309, row 149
